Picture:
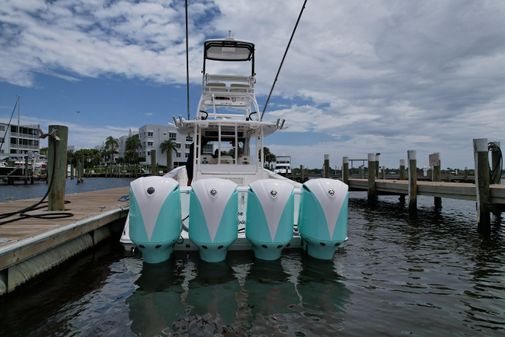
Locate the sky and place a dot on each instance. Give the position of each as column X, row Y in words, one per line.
column 361, row 76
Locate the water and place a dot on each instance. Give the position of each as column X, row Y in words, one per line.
column 434, row 276
column 37, row 190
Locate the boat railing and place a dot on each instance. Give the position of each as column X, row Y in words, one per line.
column 228, row 84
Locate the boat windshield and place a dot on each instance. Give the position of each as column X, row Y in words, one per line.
column 229, row 50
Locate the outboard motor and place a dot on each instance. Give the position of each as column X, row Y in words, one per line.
column 270, row 217
column 323, row 216
column 155, row 216
column 213, row 218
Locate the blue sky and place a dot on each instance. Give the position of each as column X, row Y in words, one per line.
column 369, row 76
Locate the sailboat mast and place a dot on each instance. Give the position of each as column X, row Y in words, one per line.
column 19, row 122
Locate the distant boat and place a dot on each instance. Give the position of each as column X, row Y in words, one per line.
column 282, row 165
column 224, row 196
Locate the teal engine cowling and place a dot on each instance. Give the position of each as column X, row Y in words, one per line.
column 323, row 216
column 155, row 216
column 213, row 217
column 270, row 217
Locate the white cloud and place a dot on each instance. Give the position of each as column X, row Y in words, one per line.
column 386, row 75
column 79, row 135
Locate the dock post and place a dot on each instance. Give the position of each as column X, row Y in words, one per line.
column 57, row 161
column 345, row 170
column 434, row 160
column 26, row 170
column 153, row 163
column 302, row 174
column 411, row 156
column 401, row 176
column 402, row 169
column 326, row 168
column 377, row 167
column 372, row 189
column 79, row 171
column 481, row 155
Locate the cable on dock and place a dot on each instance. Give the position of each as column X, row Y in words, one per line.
column 23, row 212
column 495, row 170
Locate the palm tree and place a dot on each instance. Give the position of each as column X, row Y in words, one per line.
column 111, row 145
column 269, row 156
column 168, row 146
column 132, row 147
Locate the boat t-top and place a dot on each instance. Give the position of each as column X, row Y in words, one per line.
column 224, row 198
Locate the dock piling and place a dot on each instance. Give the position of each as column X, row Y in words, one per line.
column 326, row 167
column 411, row 156
column 402, row 169
column 302, row 174
column 434, row 160
column 372, row 189
column 480, row 148
column 345, row 170
column 57, row 161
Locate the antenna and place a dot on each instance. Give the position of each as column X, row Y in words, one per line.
column 187, row 59
column 283, row 57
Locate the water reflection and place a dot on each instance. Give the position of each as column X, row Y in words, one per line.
column 242, row 295
column 213, row 291
column 156, row 303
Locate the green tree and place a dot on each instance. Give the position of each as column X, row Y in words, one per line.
column 71, row 158
column 168, row 146
column 44, row 151
column 111, row 146
column 269, row 156
column 132, row 149
column 89, row 157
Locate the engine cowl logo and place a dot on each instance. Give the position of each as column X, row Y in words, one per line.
column 273, row 193
column 331, row 192
column 213, row 192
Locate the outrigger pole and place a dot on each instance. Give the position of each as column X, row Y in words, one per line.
column 187, row 59
column 282, row 62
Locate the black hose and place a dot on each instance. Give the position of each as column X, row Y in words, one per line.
column 496, row 170
column 22, row 212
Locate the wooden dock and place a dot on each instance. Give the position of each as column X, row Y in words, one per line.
column 462, row 191
column 487, row 191
column 33, row 245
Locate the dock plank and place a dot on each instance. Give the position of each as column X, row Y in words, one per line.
column 82, row 205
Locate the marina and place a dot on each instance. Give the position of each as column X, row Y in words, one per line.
column 134, row 205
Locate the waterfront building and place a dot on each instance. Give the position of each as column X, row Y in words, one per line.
column 152, row 135
column 19, row 143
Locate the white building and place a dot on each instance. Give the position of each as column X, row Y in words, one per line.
column 152, row 135
column 22, row 142
column 122, row 143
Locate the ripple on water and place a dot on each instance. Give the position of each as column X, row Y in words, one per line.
column 429, row 276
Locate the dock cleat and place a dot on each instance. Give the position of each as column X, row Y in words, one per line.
column 213, row 219
column 323, row 216
column 155, row 216
column 270, row 217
